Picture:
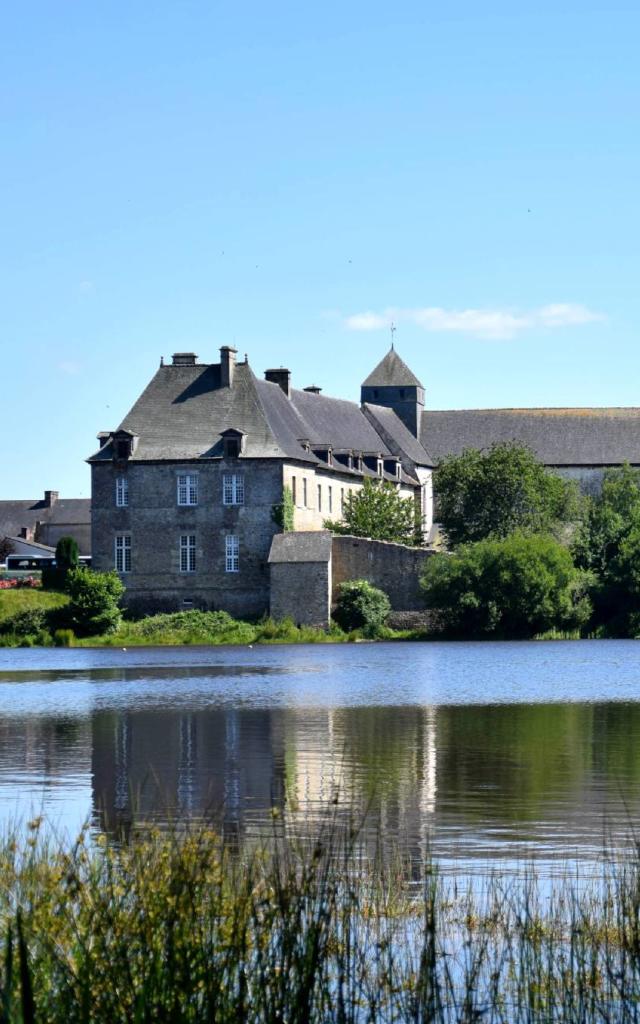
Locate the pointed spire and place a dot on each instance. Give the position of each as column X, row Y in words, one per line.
column 392, row 372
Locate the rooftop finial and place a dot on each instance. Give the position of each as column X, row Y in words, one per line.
column 392, row 328
column 161, row 360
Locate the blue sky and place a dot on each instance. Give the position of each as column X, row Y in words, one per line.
column 289, row 178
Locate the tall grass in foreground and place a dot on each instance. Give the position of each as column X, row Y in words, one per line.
column 175, row 927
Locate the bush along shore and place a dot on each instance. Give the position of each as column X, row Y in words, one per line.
column 40, row 618
column 177, row 927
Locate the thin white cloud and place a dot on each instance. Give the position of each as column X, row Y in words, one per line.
column 70, row 367
column 500, row 324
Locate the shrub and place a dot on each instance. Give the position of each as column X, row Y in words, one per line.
column 64, row 638
column 94, row 597
column 28, row 627
column 516, row 587
column 361, row 606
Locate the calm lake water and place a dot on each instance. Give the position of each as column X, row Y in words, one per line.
column 486, row 754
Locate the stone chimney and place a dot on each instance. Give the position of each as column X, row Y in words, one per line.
column 281, row 377
column 50, row 498
column 184, row 358
column 26, row 533
column 227, row 365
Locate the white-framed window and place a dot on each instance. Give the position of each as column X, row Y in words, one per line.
column 330, row 498
column 123, row 552
column 122, row 491
column 188, row 552
column 304, row 492
column 187, row 486
column 319, row 497
column 232, row 553
column 233, row 489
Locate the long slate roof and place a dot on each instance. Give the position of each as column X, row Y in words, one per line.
column 559, row 437
column 65, row 511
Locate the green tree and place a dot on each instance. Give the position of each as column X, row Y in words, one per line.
column 360, row 605
column 492, row 492
column 513, row 587
column 379, row 512
column 94, row 605
column 608, row 544
column 66, row 553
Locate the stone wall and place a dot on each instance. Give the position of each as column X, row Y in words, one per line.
column 155, row 523
column 301, row 591
column 393, row 568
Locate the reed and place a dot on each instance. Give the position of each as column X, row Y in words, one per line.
column 177, row 926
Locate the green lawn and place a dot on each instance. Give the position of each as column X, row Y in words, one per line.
column 14, row 601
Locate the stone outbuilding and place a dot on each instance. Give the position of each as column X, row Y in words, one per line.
column 300, row 571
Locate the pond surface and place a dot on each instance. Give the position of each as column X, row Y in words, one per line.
column 486, row 754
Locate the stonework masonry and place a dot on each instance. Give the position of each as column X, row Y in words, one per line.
column 393, row 568
column 301, row 591
column 155, row 522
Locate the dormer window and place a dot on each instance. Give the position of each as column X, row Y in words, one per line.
column 124, row 443
column 233, row 443
column 380, row 467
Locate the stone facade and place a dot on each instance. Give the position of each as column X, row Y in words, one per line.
column 319, row 494
column 155, row 523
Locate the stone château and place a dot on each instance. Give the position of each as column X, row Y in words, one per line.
column 185, row 492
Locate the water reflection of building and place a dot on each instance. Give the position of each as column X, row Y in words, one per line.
column 222, row 764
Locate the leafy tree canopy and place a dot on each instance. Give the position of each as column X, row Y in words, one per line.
column 513, row 587
column 379, row 512
column 492, row 492
column 608, row 543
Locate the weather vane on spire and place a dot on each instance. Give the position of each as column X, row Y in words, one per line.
column 392, row 328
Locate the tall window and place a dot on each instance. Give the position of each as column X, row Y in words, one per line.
column 122, row 491
column 232, row 553
column 293, row 489
column 123, row 552
column 188, row 552
column 341, row 500
column 304, row 492
column 233, row 489
column 319, row 497
column 330, row 496
column 187, row 489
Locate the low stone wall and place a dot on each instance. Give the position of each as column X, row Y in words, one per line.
column 393, row 568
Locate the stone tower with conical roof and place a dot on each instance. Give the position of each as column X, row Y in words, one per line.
column 392, row 384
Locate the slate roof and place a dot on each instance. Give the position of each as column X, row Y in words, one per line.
column 397, row 436
column 311, row 546
column 45, row 548
column 392, row 372
column 65, row 511
column 183, row 411
column 559, row 437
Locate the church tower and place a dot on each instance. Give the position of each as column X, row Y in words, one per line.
column 392, row 384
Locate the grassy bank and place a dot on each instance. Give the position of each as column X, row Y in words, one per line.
column 178, row 928
column 14, row 602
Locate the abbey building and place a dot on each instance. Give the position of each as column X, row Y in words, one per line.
column 185, row 491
